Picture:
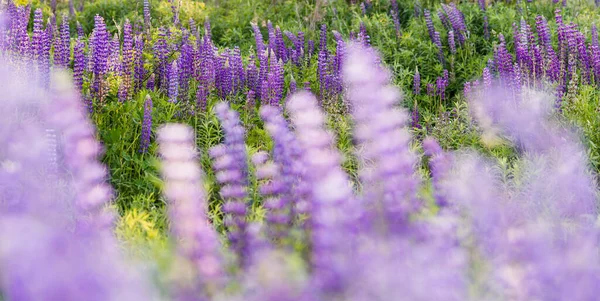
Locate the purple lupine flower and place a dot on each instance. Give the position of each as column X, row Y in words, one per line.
column 173, row 83
column 363, row 36
column 543, row 31
column 467, row 89
column 114, row 58
column 230, row 164
column 438, row 43
column 481, row 4
column 139, row 71
column 252, row 75
column 282, row 50
column 440, row 163
column 451, row 43
column 81, row 150
column 293, row 87
column 201, row 98
column 456, row 21
column 444, row 19
column 150, row 85
column 260, row 45
column 273, row 190
column 224, row 75
column 395, row 17
column 251, row 100
column 80, row 32
column 146, row 125
column 100, row 55
column 238, row 72
column 78, row 65
column 486, row 27
column 431, row 90
column 275, row 83
column 334, row 212
column 311, row 48
column 147, row 19
column 65, row 37
column 272, row 49
column 161, row 51
column 127, row 62
column 185, row 66
column 197, row 240
column 263, row 76
column 487, row 78
column 430, row 27
column 417, row 82
column 377, row 119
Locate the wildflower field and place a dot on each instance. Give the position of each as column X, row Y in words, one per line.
column 274, row 150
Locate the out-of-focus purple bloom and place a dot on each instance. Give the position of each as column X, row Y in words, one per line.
column 230, row 164
column 334, row 208
column 388, row 165
column 197, row 240
column 81, row 150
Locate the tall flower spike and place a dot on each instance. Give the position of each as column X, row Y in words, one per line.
column 417, row 82
column 81, row 150
column 230, row 164
column 335, row 213
column 146, row 125
column 197, row 240
column 287, row 157
column 78, row 64
column 173, row 83
column 388, row 164
column 127, row 62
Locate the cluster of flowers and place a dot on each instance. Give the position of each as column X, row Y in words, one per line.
column 377, row 238
column 537, row 63
column 454, row 23
column 182, row 59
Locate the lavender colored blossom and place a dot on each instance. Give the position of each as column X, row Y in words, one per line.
column 201, row 98
column 451, row 42
column 78, row 64
column 230, row 164
column 147, row 16
column 127, row 62
column 92, row 192
column 387, row 170
column 334, row 208
column 173, row 83
column 198, row 242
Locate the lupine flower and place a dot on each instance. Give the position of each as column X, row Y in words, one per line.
column 173, row 83
column 78, row 64
column 334, row 208
column 127, row 62
column 198, row 242
column 81, row 150
column 139, row 71
column 230, row 164
column 100, row 54
column 385, row 167
column 146, row 125
column 290, row 171
column 451, row 43
column 430, row 27
column 201, row 98
column 147, row 16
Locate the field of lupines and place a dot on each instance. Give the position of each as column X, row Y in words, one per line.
column 299, row 150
